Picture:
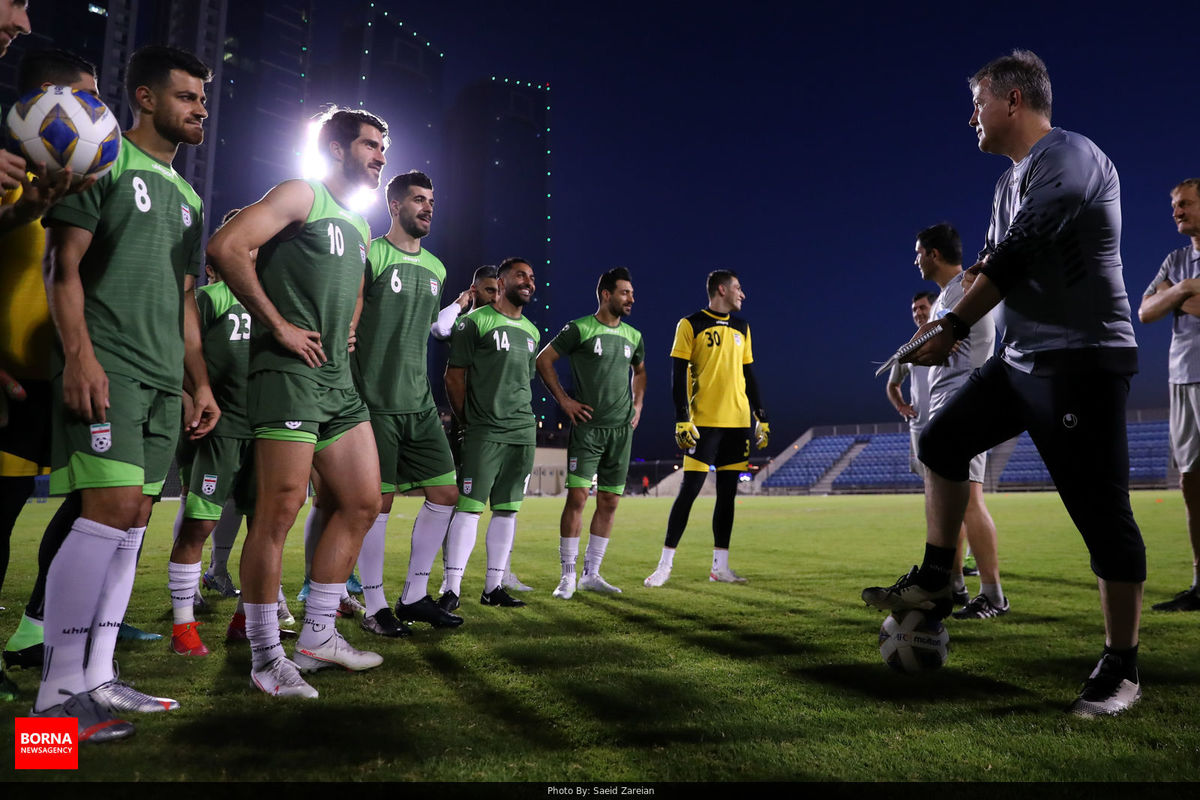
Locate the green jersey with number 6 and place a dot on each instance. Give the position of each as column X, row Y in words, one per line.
column 146, row 226
column 600, row 359
column 225, row 332
column 401, row 300
column 498, row 353
column 313, row 277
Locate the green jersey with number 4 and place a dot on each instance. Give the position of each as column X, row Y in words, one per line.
column 225, row 332
column 146, row 226
column 312, row 277
column 600, row 359
column 401, row 300
column 498, row 353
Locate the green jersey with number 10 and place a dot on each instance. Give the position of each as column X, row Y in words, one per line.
column 146, row 225
column 313, row 279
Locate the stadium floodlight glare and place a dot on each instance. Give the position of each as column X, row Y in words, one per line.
column 362, row 199
column 312, row 161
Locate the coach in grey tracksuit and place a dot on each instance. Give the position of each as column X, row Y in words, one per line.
column 1052, row 262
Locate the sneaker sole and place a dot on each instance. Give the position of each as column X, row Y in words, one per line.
column 310, row 663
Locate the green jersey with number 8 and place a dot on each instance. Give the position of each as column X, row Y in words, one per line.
column 312, row 278
column 146, row 226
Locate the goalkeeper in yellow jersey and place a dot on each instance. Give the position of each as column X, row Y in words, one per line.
column 714, row 392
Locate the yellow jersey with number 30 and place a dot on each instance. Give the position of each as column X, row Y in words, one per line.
column 716, row 347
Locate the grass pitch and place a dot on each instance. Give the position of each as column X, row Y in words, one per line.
column 779, row 679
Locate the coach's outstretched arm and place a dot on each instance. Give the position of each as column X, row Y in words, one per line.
column 231, row 251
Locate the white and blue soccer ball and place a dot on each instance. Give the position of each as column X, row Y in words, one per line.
column 61, row 128
column 911, row 641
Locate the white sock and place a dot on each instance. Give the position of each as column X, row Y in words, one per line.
column 1195, row 577
column 460, row 541
column 320, row 613
column 262, row 629
column 568, row 551
column 508, row 558
column 280, row 600
column 223, row 537
column 594, row 554
column 73, row 585
column 370, row 565
column 428, row 534
column 110, row 610
column 501, row 530
column 720, row 560
column 181, row 583
column 667, row 558
column 314, row 526
column 993, row 592
column 960, row 583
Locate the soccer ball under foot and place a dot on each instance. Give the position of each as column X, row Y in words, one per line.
column 911, row 641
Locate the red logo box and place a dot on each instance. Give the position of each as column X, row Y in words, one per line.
column 46, row 743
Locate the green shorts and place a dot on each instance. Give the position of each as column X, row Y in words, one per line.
column 220, row 468
column 287, row 407
column 413, row 451
column 133, row 447
column 497, row 472
column 603, row 452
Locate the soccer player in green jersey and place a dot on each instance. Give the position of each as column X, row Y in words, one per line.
column 302, row 293
column 122, row 302
column 400, row 301
column 491, row 363
column 604, row 412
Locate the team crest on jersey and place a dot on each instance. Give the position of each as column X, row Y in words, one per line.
column 529, row 342
column 572, row 463
column 467, row 485
column 628, row 352
column 186, row 213
column 433, row 286
column 362, row 252
column 101, row 437
column 210, row 484
column 292, row 425
column 737, row 338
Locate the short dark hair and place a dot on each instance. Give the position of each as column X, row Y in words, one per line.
column 508, row 263
column 60, row 67
column 1021, row 70
column 1192, row 182
column 343, row 125
column 484, row 273
column 608, row 281
column 151, row 66
column 943, row 238
column 397, row 188
column 930, row 296
column 718, row 278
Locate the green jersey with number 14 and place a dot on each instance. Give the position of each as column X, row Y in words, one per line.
column 146, row 225
column 313, row 279
column 498, row 353
column 401, row 300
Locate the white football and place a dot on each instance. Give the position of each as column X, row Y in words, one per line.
column 911, row 641
column 61, row 128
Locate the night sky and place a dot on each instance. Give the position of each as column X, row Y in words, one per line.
column 804, row 149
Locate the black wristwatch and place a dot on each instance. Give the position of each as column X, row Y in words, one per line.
column 958, row 328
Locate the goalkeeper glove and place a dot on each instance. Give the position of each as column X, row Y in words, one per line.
column 686, row 435
column 762, row 434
